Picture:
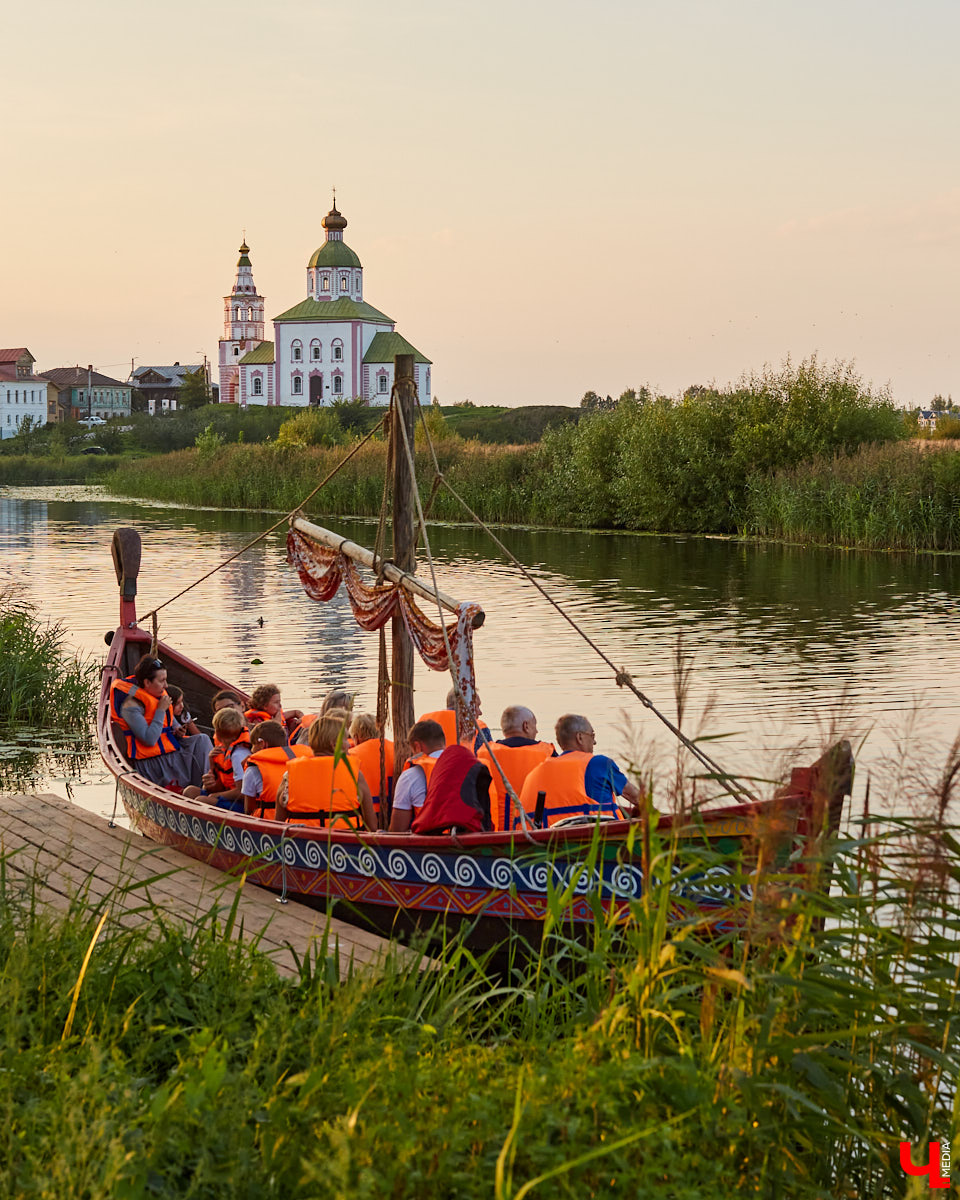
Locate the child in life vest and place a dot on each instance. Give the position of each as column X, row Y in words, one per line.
column 266, row 705
column 178, row 710
column 227, row 760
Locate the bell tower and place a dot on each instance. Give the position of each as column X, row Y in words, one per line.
column 242, row 325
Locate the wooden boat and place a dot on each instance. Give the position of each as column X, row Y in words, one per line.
column 495, row 884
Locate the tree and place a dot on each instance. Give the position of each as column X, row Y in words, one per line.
column 193, row 392
column 938, row 404
column 591, row 401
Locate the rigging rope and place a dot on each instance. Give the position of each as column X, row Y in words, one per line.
column 623, row 678
column 433, row 576
column 259, row 538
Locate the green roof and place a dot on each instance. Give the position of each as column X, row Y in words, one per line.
column 243, row 261
column 343, row 309
column 334, row 254
column 385, row 345
column 262, row 354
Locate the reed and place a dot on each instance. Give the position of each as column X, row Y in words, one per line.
column 25, row 469
column 41, row 684
column 788, row 1059
column 899, row 496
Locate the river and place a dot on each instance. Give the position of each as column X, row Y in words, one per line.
column 786, row 644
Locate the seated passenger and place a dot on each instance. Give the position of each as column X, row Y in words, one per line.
column 446, row 718
column 517, row 753
column 365, row 753
column 141, row 707
column 578, row 781
column 225, row 699
column 338, row 698
column 458, row 795
column 325, row 789
column 227, row 760
column 266, row 705
column 182, row 719
column 410, row 790
column 266, row 768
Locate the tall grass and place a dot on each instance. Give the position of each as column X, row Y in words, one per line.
column 78, row 468
column 903, row 496
column 787, row 1059
column 41, row 684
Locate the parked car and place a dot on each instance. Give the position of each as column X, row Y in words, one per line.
column 89, row 422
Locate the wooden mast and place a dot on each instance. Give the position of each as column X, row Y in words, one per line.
column 404, row 550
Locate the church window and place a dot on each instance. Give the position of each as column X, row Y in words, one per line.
column 315, row 351
column 343, row 283
column 325, row 284
column 236, row 313
column 296, row 351
column 338, row 385
column 236, row 349
column 257, row 385
column 381, row 383
column 250, row 313
column 338, row 350
column 297, row 385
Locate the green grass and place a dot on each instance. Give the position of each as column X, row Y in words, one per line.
column 26, row 469
column 787, row 1062
column 41, row 684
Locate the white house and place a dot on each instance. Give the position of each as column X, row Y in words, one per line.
column 22, row 393
column 333, row 345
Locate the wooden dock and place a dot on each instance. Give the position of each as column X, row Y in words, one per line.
column 65, row 852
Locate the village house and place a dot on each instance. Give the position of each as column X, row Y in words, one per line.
column 23, row 393
column 160, row 386
column 84, row 392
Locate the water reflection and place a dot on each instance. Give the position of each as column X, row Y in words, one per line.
column 782, row 637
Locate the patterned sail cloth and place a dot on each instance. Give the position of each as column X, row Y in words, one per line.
column 321, row 572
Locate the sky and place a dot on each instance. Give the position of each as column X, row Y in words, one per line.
column 548, row 198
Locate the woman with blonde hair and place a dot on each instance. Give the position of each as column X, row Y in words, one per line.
column 326, row 789
column 365, row 755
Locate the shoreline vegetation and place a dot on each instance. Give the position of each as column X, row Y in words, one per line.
column 804, row 453
column 789, row 1058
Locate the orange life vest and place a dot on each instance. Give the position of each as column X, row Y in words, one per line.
column 422, row 760
column 167, row 742
column 517, row 763
column 366, row 756
column 446, row 718
column 563, row 781
column 302, row 727
column 272, row 763
column 221, row 764
column 256, row 715
column 321, row 789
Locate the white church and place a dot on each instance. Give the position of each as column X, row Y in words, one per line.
column 329, row 347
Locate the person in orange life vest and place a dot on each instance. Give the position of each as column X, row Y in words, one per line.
column 365, row 753
column 266, row 705
column 225, row 699
column 458, row 795
column 178, row 710
column 338, row 698
column 142, row 707
column 517, row 752
column 266, row 768
column 325, row 789
column 227, row 759
column 427, row 743
column 446, row 718
column 578, row 781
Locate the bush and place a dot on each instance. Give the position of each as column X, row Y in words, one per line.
column 40, row 683
column 312, row 427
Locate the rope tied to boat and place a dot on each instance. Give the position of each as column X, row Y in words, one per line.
column 285, row 519
column 621, row 676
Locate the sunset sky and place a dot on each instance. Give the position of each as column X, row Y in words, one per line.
column 548, row 198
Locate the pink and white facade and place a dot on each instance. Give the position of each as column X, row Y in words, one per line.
column 242, row 327
column 331, row 346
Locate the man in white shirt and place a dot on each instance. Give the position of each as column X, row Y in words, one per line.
column 427, row 742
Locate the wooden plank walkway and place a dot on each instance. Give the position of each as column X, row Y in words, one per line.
column 70, row 852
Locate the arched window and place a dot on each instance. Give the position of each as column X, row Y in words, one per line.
column 236, row 349
column 236, row 313
column 314, row 351
column 381, row 383
column 250, row 313
column 257, row 385
column 296, row 351
column 297, row 385
column 343, row 283
column 325, row 284
column 338, row 385
column 337, row 350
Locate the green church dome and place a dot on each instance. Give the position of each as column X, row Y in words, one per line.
column 334, row 254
